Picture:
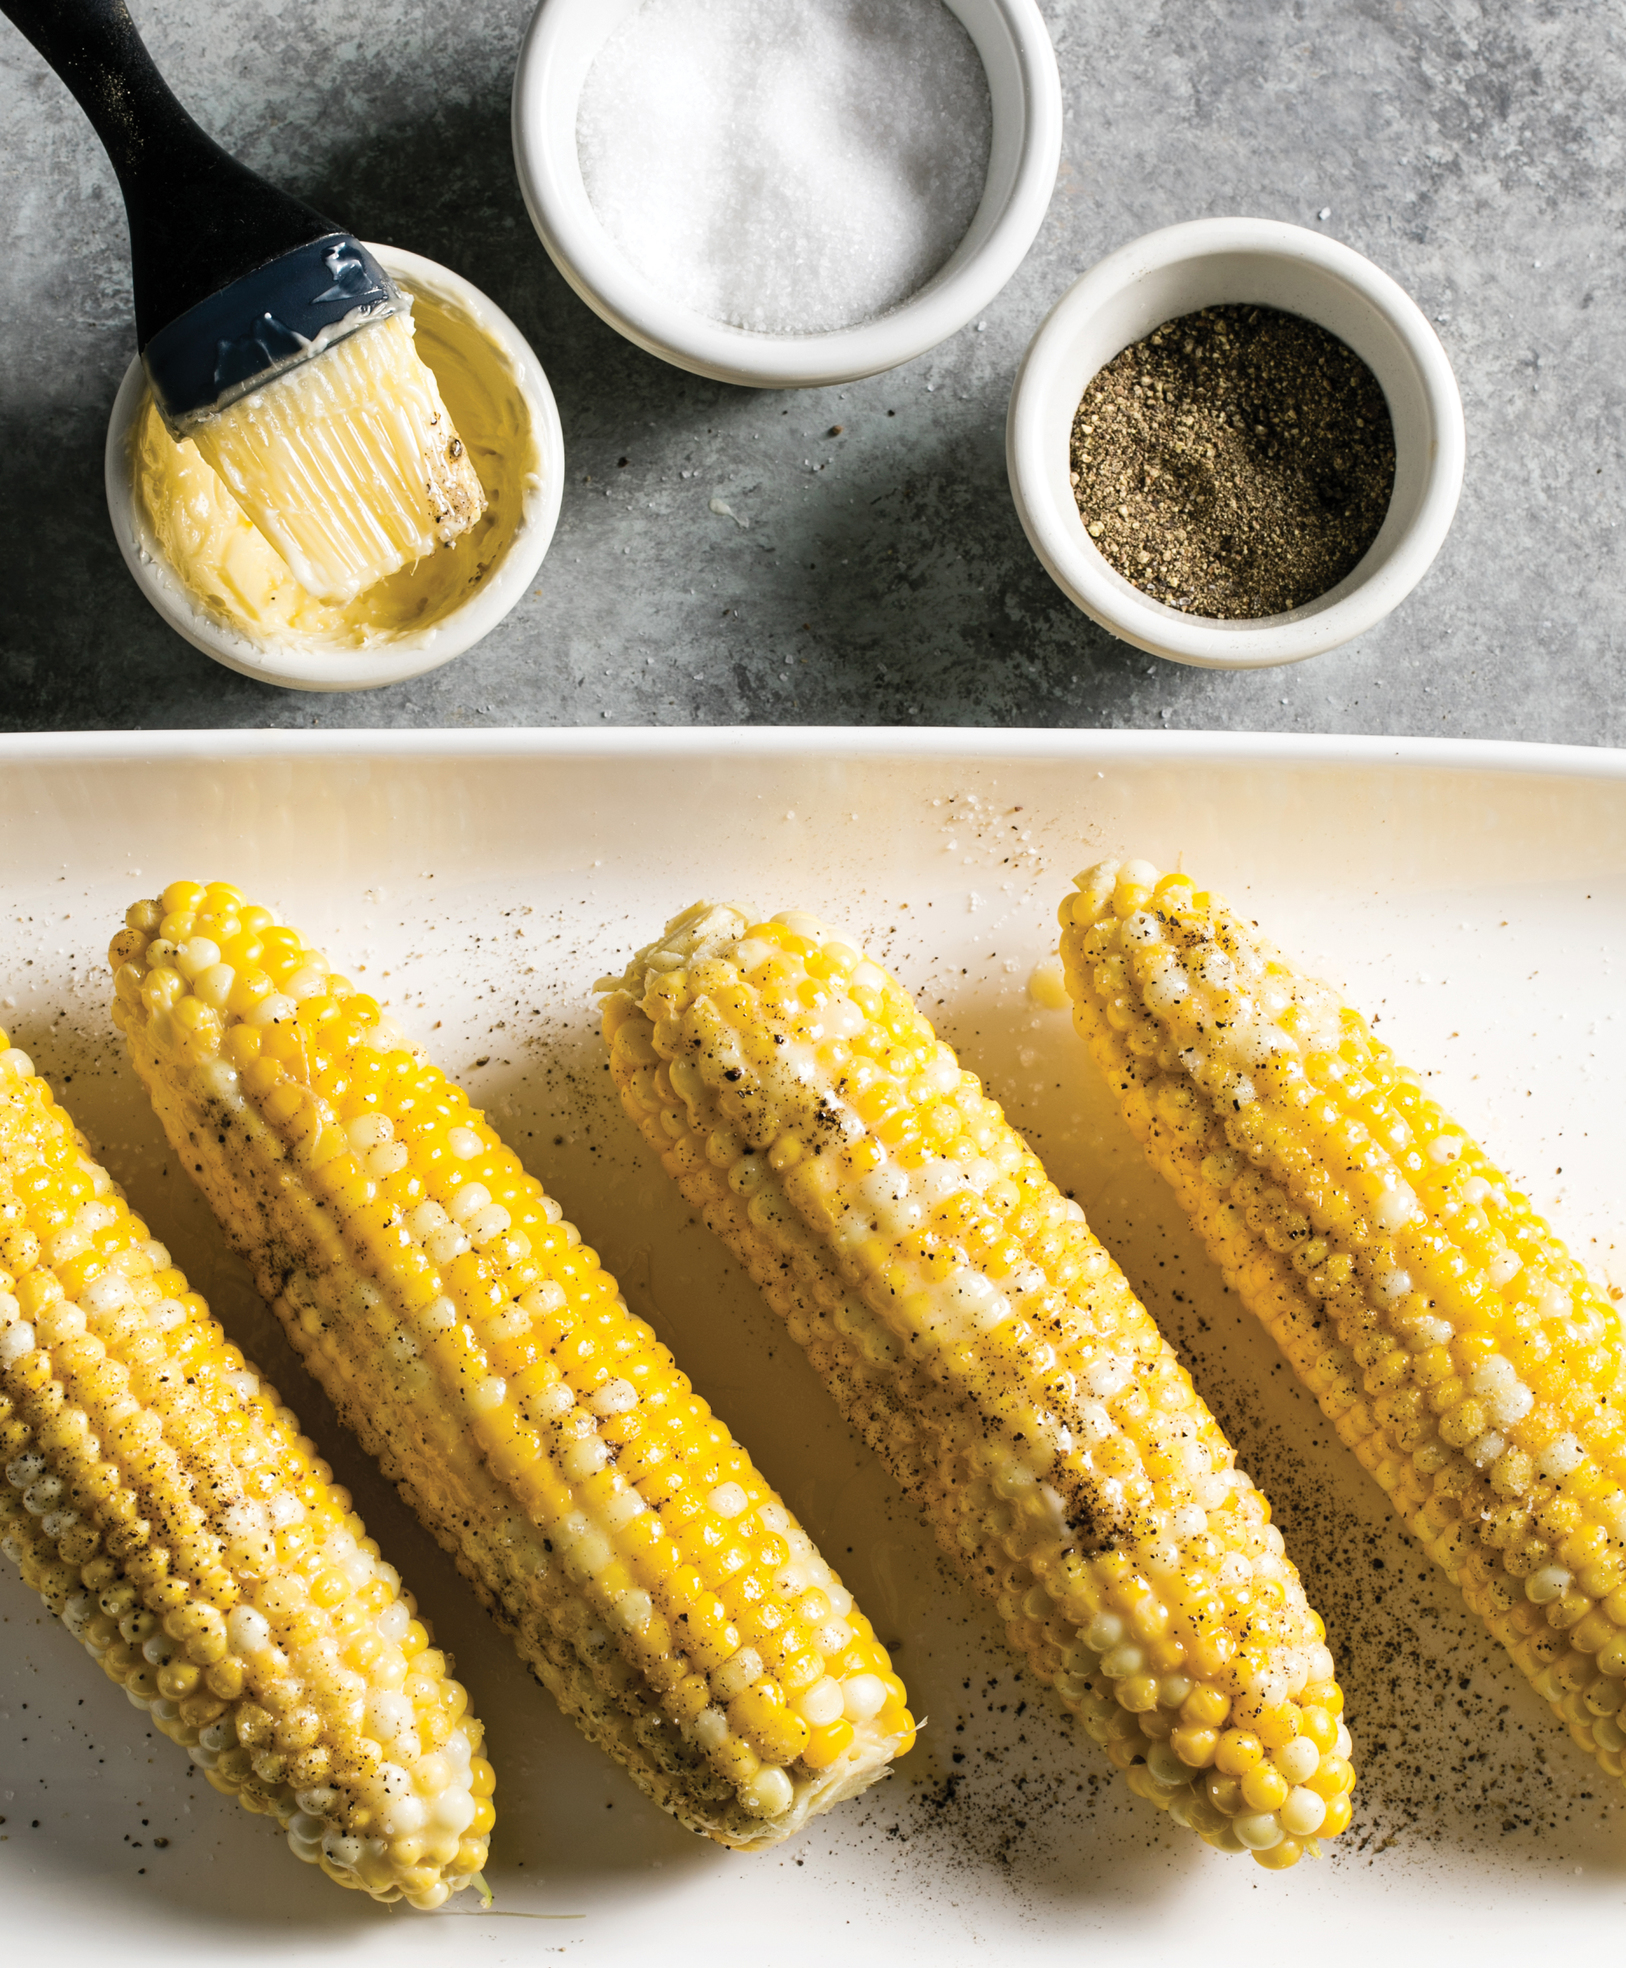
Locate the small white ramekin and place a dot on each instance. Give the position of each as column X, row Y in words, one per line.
column 1206, row 264
column 559, row 49
column 301, row 663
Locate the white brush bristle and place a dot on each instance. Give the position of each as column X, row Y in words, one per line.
column 350, row 464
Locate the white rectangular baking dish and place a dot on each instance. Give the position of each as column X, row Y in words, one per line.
column 1472, row 896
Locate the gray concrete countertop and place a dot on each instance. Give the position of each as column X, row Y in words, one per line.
column 1476, row 149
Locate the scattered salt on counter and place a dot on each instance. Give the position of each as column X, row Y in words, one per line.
column 787, row 166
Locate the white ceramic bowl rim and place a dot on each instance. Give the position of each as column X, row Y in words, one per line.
column 1025, row 87
column 320, row 666
column 1200, row 264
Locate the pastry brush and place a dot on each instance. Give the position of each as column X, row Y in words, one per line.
column 270, row 337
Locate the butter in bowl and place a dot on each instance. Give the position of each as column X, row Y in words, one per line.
column 217, row 579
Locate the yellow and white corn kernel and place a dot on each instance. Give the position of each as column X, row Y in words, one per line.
column 994, row 1356
column 647, row 1572
column 164, row 1505
column 1453, row 1342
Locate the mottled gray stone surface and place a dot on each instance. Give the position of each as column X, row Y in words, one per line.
column 1474, row 148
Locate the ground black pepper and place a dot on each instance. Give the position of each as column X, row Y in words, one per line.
column 1236, row 463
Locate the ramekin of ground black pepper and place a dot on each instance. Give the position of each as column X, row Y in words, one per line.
column 1236, row 443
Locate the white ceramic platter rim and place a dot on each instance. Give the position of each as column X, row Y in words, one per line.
column 876, row 742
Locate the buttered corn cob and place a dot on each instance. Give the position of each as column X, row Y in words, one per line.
column 993, row 1355
column 647, row 1572
column 167, row 1509
column 1454, row 1344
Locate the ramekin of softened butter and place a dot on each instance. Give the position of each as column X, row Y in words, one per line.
column 217, row 581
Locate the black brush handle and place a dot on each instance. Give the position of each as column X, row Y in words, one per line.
column 198, row 219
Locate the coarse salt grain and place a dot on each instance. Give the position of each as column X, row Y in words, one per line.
column 786, row 166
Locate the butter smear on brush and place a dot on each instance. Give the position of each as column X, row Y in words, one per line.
column 228, row 565
column 349, row 464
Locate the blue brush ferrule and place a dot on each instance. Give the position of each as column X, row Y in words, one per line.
column 263, row 324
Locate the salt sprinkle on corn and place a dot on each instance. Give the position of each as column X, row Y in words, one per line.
column 647, row 1572
column 993, row 1355
column 1453, row 1342
column 164, row 1505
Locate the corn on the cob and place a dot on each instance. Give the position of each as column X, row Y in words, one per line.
column 648, row 1574
column 1454, row 1344
column 995, row 1358
column 167, row 1509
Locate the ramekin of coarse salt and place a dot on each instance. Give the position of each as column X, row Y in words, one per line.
column 217, row 582
column 1210, row 263
column 587, row 65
